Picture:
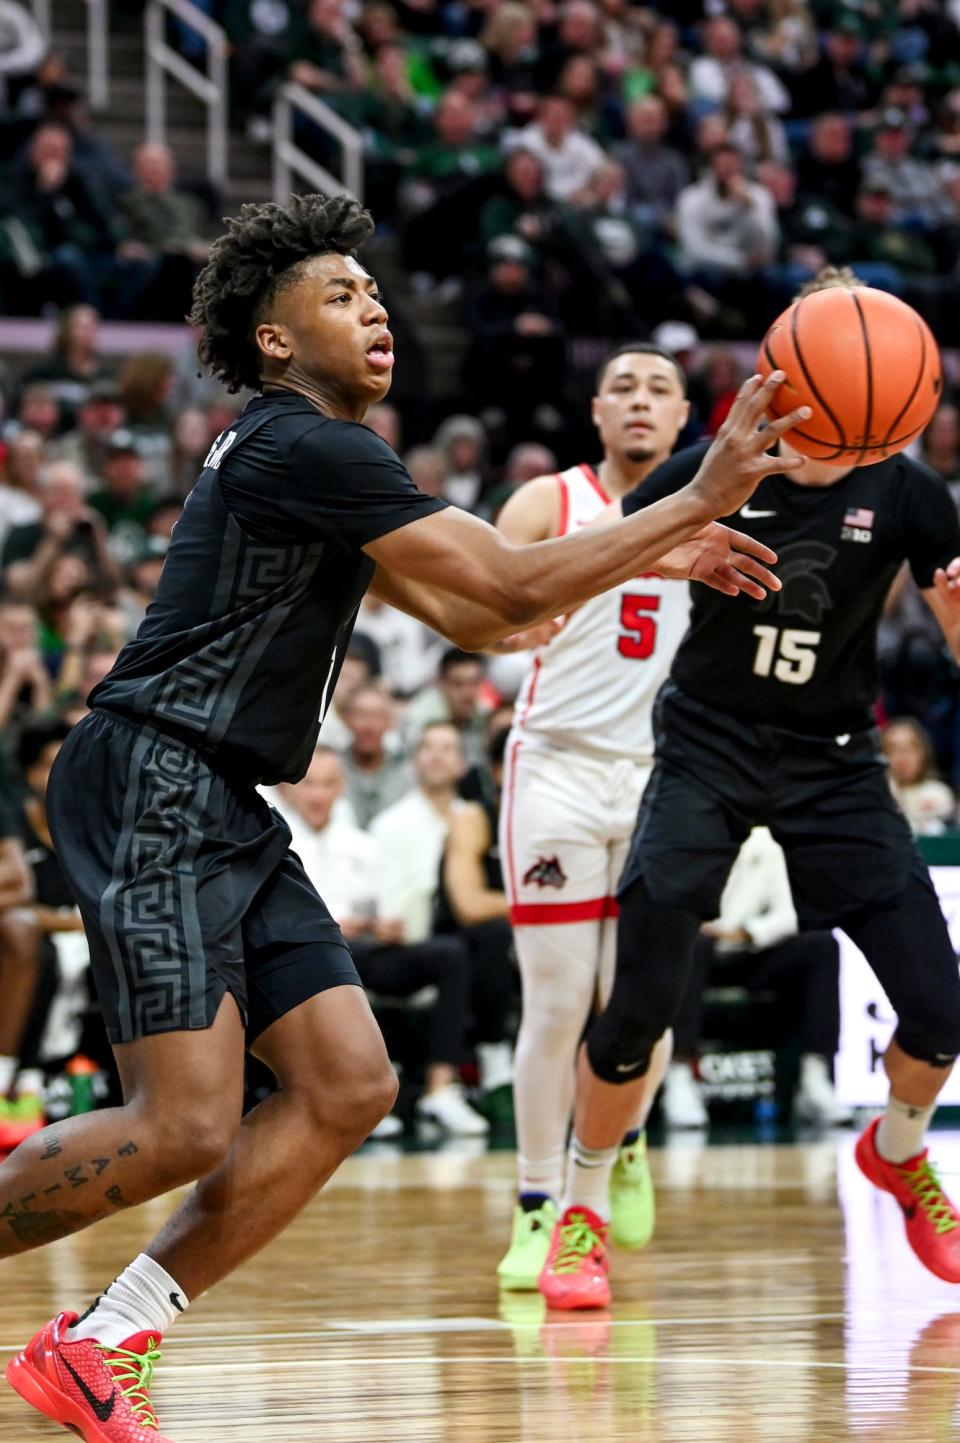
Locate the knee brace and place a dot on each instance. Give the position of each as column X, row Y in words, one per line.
column 654, row 952
column 619, row 1048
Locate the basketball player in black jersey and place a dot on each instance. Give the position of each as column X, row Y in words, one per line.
column 766, row 720
column 205, row 935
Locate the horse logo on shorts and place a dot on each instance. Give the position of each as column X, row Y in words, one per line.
column 546, row 872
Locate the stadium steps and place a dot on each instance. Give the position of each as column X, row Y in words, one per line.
column 123, row 124
column 438, row 322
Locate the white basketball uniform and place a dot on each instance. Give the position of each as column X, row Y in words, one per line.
column 578, row 757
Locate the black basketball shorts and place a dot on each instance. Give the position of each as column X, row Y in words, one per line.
column 186, row 884
column 825, row 799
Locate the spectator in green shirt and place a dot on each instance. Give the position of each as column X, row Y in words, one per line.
column 451, row 177
column 327, row 56
column 159, row 216
column 520, row 206
column 455, row 151
column 125, row 501
column 164, row 228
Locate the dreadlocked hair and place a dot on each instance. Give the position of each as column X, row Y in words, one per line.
column 253, row 261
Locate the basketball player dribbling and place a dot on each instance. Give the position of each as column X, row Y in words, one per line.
column 766, row 720
column 206, row 938
column 577, row 761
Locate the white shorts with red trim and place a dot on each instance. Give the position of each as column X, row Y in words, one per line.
column 565, row 827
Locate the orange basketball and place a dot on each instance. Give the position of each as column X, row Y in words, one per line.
column 865, row 363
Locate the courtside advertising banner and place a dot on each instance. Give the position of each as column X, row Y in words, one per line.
column 867, row 1019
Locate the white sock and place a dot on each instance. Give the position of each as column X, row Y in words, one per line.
column 144, row 1299
column 588, row 1178
column 543, row 1174
column 902, row 1129
column 496, row 1064
column 8, row 1071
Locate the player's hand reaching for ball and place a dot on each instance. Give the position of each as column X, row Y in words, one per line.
column 724, row 559
column 738, row 460
column 946, row 581
column 944, row 599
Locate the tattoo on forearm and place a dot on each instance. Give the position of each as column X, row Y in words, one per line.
column 115, row 1196
column 129, row 1149
column 51, row 1148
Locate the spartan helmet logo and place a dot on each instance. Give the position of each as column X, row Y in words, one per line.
column 805, row 593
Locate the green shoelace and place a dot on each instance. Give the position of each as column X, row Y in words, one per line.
column 577, row 1239
column 136, row 1371
column 926, row 1188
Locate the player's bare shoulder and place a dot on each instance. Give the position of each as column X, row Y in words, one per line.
column 533, row 511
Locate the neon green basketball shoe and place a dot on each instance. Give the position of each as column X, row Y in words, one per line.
column 520, row 1267
column 632, row 1204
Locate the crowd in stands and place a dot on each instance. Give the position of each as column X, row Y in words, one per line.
column 565, row 174
column 572, row 167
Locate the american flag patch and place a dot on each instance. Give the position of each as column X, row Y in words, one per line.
column 859, row 516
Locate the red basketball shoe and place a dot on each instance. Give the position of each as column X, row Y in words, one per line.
column 101, row 1393
column 575, row 1273
column 931, row 1220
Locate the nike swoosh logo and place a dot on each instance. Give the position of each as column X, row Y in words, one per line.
column 842, row 740
column 748, row 513
column 175, row 1300
column 104, row 1409
column 627, row 1066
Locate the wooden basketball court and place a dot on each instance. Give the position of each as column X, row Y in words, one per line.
column 778, row 1302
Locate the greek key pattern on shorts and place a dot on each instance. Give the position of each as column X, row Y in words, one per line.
column 149, row 910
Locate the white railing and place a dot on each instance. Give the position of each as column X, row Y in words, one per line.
column 98, row 47
column 41, row 13
column 98, row 53
column 290, row 160
column 164, row 61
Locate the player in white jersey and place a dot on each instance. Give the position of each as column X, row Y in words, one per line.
column 578, row 758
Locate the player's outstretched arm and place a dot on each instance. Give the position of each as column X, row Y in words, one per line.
column 532, row 514
column 468, row 624
column 943, row 598
column 511, row 587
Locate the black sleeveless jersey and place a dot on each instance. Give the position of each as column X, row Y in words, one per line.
column 805, row 658
column 240, row 650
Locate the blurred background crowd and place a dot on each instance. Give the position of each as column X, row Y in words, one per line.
column 603, row 163
column 558, row 176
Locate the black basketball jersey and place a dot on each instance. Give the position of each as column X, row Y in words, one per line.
column 240, row 650
column 805, row 658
